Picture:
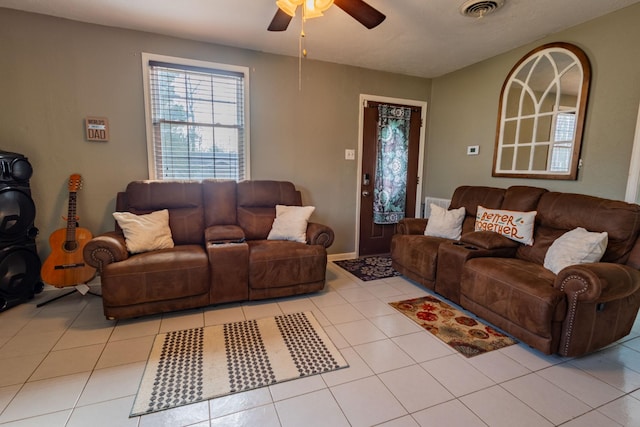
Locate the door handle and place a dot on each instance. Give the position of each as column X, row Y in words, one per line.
column 365, row 193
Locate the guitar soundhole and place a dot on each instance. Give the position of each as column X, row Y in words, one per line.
column 70, row 246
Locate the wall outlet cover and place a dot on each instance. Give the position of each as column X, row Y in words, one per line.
column 473, row 150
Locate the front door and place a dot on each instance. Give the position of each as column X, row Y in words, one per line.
column 374, row 237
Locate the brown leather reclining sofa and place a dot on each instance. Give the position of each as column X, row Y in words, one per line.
column 221, row 251
column 581, row 309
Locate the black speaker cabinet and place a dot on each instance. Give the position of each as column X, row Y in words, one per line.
column 19, row 274
column 19, row 261
column 17, row 210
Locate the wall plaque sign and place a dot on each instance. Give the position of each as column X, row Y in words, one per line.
column 97, row 129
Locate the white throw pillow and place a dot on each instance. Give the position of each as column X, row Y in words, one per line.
column 515, row 225
column 143, row 233
column 291, row 223
column 445, row 223
column 577, row 246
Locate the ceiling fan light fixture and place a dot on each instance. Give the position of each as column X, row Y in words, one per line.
column 357, row 9
column 310, row 11
column 311, row 8
column 321, row 5
column 480, row 8
column 289, row 6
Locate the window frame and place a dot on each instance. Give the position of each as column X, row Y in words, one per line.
column 556, row 63
column 148, row 106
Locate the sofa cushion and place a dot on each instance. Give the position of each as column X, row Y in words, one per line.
column 183, row 199
column 282, row 263
column 256, row 222
column 518, row 291
column 470, row 197
column 577, row 246
column 257, row 202
column 562, row 212
column 165, row 274
column 219, row 198
column 522, row 198
column 291, row 223
column 445, row 223
column 147, row 232
column 515, row 225
column 267, row 194
column 417, row 253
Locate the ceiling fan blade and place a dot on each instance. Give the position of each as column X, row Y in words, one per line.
column 361, row 12
column 280, row 21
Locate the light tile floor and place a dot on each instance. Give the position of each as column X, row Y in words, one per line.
column 64, row 364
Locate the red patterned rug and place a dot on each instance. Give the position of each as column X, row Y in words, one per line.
column 467, row 335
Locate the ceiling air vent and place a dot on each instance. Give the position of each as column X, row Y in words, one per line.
column 480, row 8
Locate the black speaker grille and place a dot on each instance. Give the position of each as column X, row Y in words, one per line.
column 19, row 271
column 14, row 167
column 17, row 213
column 21, row 170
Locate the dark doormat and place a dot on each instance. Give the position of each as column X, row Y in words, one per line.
column 369, row 268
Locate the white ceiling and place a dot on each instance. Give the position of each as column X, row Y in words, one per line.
column 426, row 38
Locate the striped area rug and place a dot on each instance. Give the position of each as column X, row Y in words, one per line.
column 197, row 364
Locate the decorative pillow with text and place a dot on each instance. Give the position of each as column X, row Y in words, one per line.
column 515, row 225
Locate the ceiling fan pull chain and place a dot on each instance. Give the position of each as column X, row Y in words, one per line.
column 302, row 52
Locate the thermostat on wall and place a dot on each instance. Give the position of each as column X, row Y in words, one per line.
column 473, row 150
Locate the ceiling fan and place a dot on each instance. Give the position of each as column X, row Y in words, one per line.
column 358, row 9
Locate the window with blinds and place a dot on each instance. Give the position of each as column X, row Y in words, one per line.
column 562, row 146
column 196, row 119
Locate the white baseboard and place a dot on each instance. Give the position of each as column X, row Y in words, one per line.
column 339, row 257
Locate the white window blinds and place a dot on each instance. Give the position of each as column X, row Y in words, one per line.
column 562, row 147
column 197, row 122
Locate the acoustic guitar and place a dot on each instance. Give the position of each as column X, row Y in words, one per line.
column 65, row 265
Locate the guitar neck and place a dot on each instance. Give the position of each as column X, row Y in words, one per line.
column 72, row 217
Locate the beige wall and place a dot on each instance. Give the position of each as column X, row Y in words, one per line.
column 464, row 109
column 56, row 72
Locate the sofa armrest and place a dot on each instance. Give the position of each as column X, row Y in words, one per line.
column 223, row 234
column 602, row 304
column 488, row 240
column 411, row 226
column 597, row 282
column 105, row 249
column 319, row 234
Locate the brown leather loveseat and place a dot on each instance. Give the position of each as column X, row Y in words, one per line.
column 580, row 309
column 220, row 254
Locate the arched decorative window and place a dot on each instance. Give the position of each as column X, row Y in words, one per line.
column 541, row 114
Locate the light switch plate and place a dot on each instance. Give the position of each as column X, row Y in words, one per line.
column 349, row 154
column 473, row 150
